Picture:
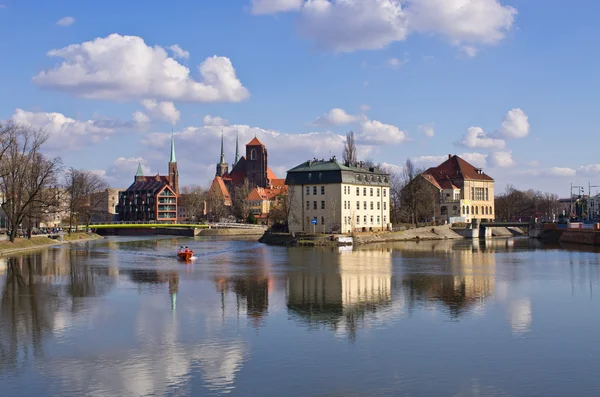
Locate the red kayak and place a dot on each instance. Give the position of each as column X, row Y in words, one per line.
column 185, row 254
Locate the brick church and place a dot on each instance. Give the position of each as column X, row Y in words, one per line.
column 151, row 198
column 254, row 168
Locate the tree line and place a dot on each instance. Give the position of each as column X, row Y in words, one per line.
column 35, row 187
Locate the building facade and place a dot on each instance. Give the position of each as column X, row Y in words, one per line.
column 326, row 196
column 151, row 198
column 464, row 192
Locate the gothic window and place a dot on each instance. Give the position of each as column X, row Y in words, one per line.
column 253, row 154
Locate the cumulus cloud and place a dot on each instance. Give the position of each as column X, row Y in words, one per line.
column 376, row 132
column 502, row 159
column 475, row 137
column 66, row 21
column 179, row 52
column 140, row 117
column 122, row 170
column 125, row 68
column 427, row 130
column 515, row 125
column 335, row 116
column 274, row 6
column 209, row 120
column 67, row 134
column 589, row 170
column 165, row 110
column 477, row 159
column 350, row 25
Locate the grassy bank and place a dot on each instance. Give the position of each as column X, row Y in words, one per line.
column 24, row 244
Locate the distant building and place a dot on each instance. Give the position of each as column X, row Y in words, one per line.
column 327, row 196
column 460, row 191
column 106, row 205
column 151, row 198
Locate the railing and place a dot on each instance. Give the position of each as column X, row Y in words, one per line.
column 215, row 225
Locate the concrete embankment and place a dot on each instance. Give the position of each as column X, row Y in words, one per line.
column 231, row 232
column 184, row 232
column 23, row 244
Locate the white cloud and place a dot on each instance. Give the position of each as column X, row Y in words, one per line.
column 477, row 159
column 350, row 25
column 209, row 120
column 66, row 21
column 335, row 116
column 469, row 51
column 376, row 132
column 67, row 134
column 560, row 171
column 501, row 159
column 515, row 125
column 165, row 110
column 273, row 6
column 125, row 68
column 427, row 129
column 396, row 63
column 475, row 137
column 179, row 52
column 365, row 108
column 589, row 170
column 140, row 117
column 123, row 169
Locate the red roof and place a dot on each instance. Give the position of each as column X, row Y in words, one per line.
column 455, row 168
column 219, row 185
column 255, row 142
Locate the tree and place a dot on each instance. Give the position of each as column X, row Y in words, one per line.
column 416, row 196
column 280, row 208
column 25, row 174
column 215, row 205
column 349, row 154
column 85, row 193
column 239, row 199
column 192, row 199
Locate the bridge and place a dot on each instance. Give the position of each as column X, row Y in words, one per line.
column 177, row 229
column 504, row 224
column 481, row 229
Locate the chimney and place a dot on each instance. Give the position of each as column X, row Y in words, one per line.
column 449, row 156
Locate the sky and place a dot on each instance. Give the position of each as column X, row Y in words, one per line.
column 506, row 84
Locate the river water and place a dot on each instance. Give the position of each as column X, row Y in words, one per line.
column 121, row 317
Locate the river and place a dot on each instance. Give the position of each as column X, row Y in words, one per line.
column 121, row 317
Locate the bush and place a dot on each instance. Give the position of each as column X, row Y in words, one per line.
column 251, row 219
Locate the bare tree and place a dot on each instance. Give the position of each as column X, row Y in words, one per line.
column 417, row 195
column 192, row 199
column 86, row 191
column 215, row 205
column 280, row 208
column 25, row 174
column 239, row 199
column 349, row 154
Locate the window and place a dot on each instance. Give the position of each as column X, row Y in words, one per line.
column 322, row 220
column 378, row 192
column 308, row 191
column 384, row 219
column 358, row 191
column 371, row 192
column 371, row 219
column 486, row 210
column 253, row 154
column 476, row 210
column 444, row 210
column 487, row 197
column 384, row 192
column 315, row 190
column 344, row 189
column 322, row 189
column 378, row 205
column 479, row 194
column 308, row 205
column 314, row 205
column 384, row 206
column 365, row 219
column 371, row 205
column 344, row 204
column 491, row 211
column 464, row 211
column 472, row 193
column 364, row 191
column 358, row 205
column 378, row 220
column 365, row 205
column 345, row 220
column 358, row 219
column 322, row 204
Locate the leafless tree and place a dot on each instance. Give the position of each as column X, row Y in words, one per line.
column 86, row 192
column 25, row 174
column 215, row 205
column 239, row 199
column 192, row 199
column 514, row 204
column 280, row 208
column 349, row 154
column 417, row 195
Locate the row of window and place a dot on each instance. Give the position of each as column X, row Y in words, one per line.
column 475, row 210
column 479, row 194
column 347, row 205
column 348, row 220
column 314, row 190
column 377, row 191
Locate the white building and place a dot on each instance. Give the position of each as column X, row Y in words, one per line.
column 326, row 197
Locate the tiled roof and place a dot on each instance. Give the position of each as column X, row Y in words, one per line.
column 277, row 182
column 255, row 142
column 219, row 185
column 456, row 168
column 431, row 179
column 270, row 174
column 148, row 183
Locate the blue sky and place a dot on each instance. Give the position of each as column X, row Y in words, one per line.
column 509, row 84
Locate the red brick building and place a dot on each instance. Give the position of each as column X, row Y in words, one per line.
column 151, row 198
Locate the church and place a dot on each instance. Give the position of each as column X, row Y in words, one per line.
column 254, row 168
column 151, row 198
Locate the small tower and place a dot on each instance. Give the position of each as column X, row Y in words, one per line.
column 237, row 156
column 256, row 163
column 173, row 172
column 222, row 167
column 139, row 175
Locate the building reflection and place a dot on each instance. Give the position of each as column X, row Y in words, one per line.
column 462, row 277
column 339, row 289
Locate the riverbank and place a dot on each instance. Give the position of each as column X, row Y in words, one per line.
column 24, row 244
column 417, row 234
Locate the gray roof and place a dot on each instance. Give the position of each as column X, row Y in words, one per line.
column 321, row 171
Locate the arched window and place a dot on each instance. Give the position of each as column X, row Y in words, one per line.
column 464, row 210
column 467, row 210
column 476, row 210
column 486, row 210
column 472, row 210
column 491, row 211
column 253, row 154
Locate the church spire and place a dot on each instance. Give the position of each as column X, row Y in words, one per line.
column 237, row 156
column 222, row 151
column 173, row 159
column 139, row 170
